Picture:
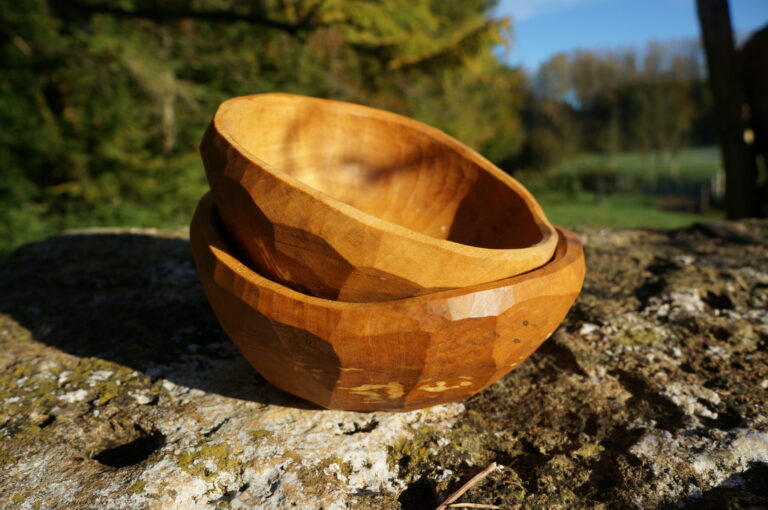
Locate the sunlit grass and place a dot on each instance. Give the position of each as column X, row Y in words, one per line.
column 698, row 163
column 617, row 211
column 560, row 193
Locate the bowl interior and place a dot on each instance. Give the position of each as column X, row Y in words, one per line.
column 386, row 166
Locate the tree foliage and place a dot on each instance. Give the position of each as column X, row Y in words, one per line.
column 107, row 99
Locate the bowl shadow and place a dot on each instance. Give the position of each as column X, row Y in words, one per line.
column 132, row 299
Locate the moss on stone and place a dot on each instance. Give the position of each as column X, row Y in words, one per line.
column 588, row 450
column 375, row 502
column 639, row 337
column 138, row 487
column 428, row 453
column 316, row 478
column 109, row 390
column 261, row 434
column 197, row 462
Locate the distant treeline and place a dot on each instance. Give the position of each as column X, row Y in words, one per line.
column 103, row 102
column 653, row 99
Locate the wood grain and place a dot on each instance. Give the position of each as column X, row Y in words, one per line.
column 396, row 355
column 356, row 204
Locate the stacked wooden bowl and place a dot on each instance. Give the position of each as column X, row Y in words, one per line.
column 365, row 261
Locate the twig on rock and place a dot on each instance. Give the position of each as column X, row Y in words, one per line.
column 464, row 488
column 471, row 505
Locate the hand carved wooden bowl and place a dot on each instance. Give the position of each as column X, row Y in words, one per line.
column 356, row 204
column 397, row 355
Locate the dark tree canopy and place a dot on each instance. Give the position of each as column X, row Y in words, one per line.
column 108, row 99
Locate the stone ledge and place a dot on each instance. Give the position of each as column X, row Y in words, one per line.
column 118, row 390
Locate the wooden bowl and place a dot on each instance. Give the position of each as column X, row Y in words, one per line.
column 356, row 204
column 396, row 355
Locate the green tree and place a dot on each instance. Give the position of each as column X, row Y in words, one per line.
column 108, row 99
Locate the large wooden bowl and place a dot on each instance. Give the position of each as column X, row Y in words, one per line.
column 396, row 355
column 356, row 204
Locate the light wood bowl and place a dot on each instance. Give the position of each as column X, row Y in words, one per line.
column 356, row 204
column 396, row 355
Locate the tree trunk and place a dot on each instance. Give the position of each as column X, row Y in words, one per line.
column 725, row 81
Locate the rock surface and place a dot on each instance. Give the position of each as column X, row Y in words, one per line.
column 119, row 391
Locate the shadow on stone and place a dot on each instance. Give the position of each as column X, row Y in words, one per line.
column 131, row 299
column 561, row 356
column 742, row 491
column 664, row 411
column 418, row 495
column 132, row 453
column 608, row 472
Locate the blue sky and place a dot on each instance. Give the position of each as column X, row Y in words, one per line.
column 545, row 27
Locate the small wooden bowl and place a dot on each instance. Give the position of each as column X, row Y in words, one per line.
column 356, row 204
column 396, row 355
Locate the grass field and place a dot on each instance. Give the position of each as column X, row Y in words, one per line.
column 568, row 205
column 696, row 163
column 618, row 211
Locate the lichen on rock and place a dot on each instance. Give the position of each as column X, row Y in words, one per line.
column 119, row 390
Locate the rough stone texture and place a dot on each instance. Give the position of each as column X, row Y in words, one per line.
column 118, row 390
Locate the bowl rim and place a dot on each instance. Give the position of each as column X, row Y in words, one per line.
column 549, row 236
column 206, row 218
